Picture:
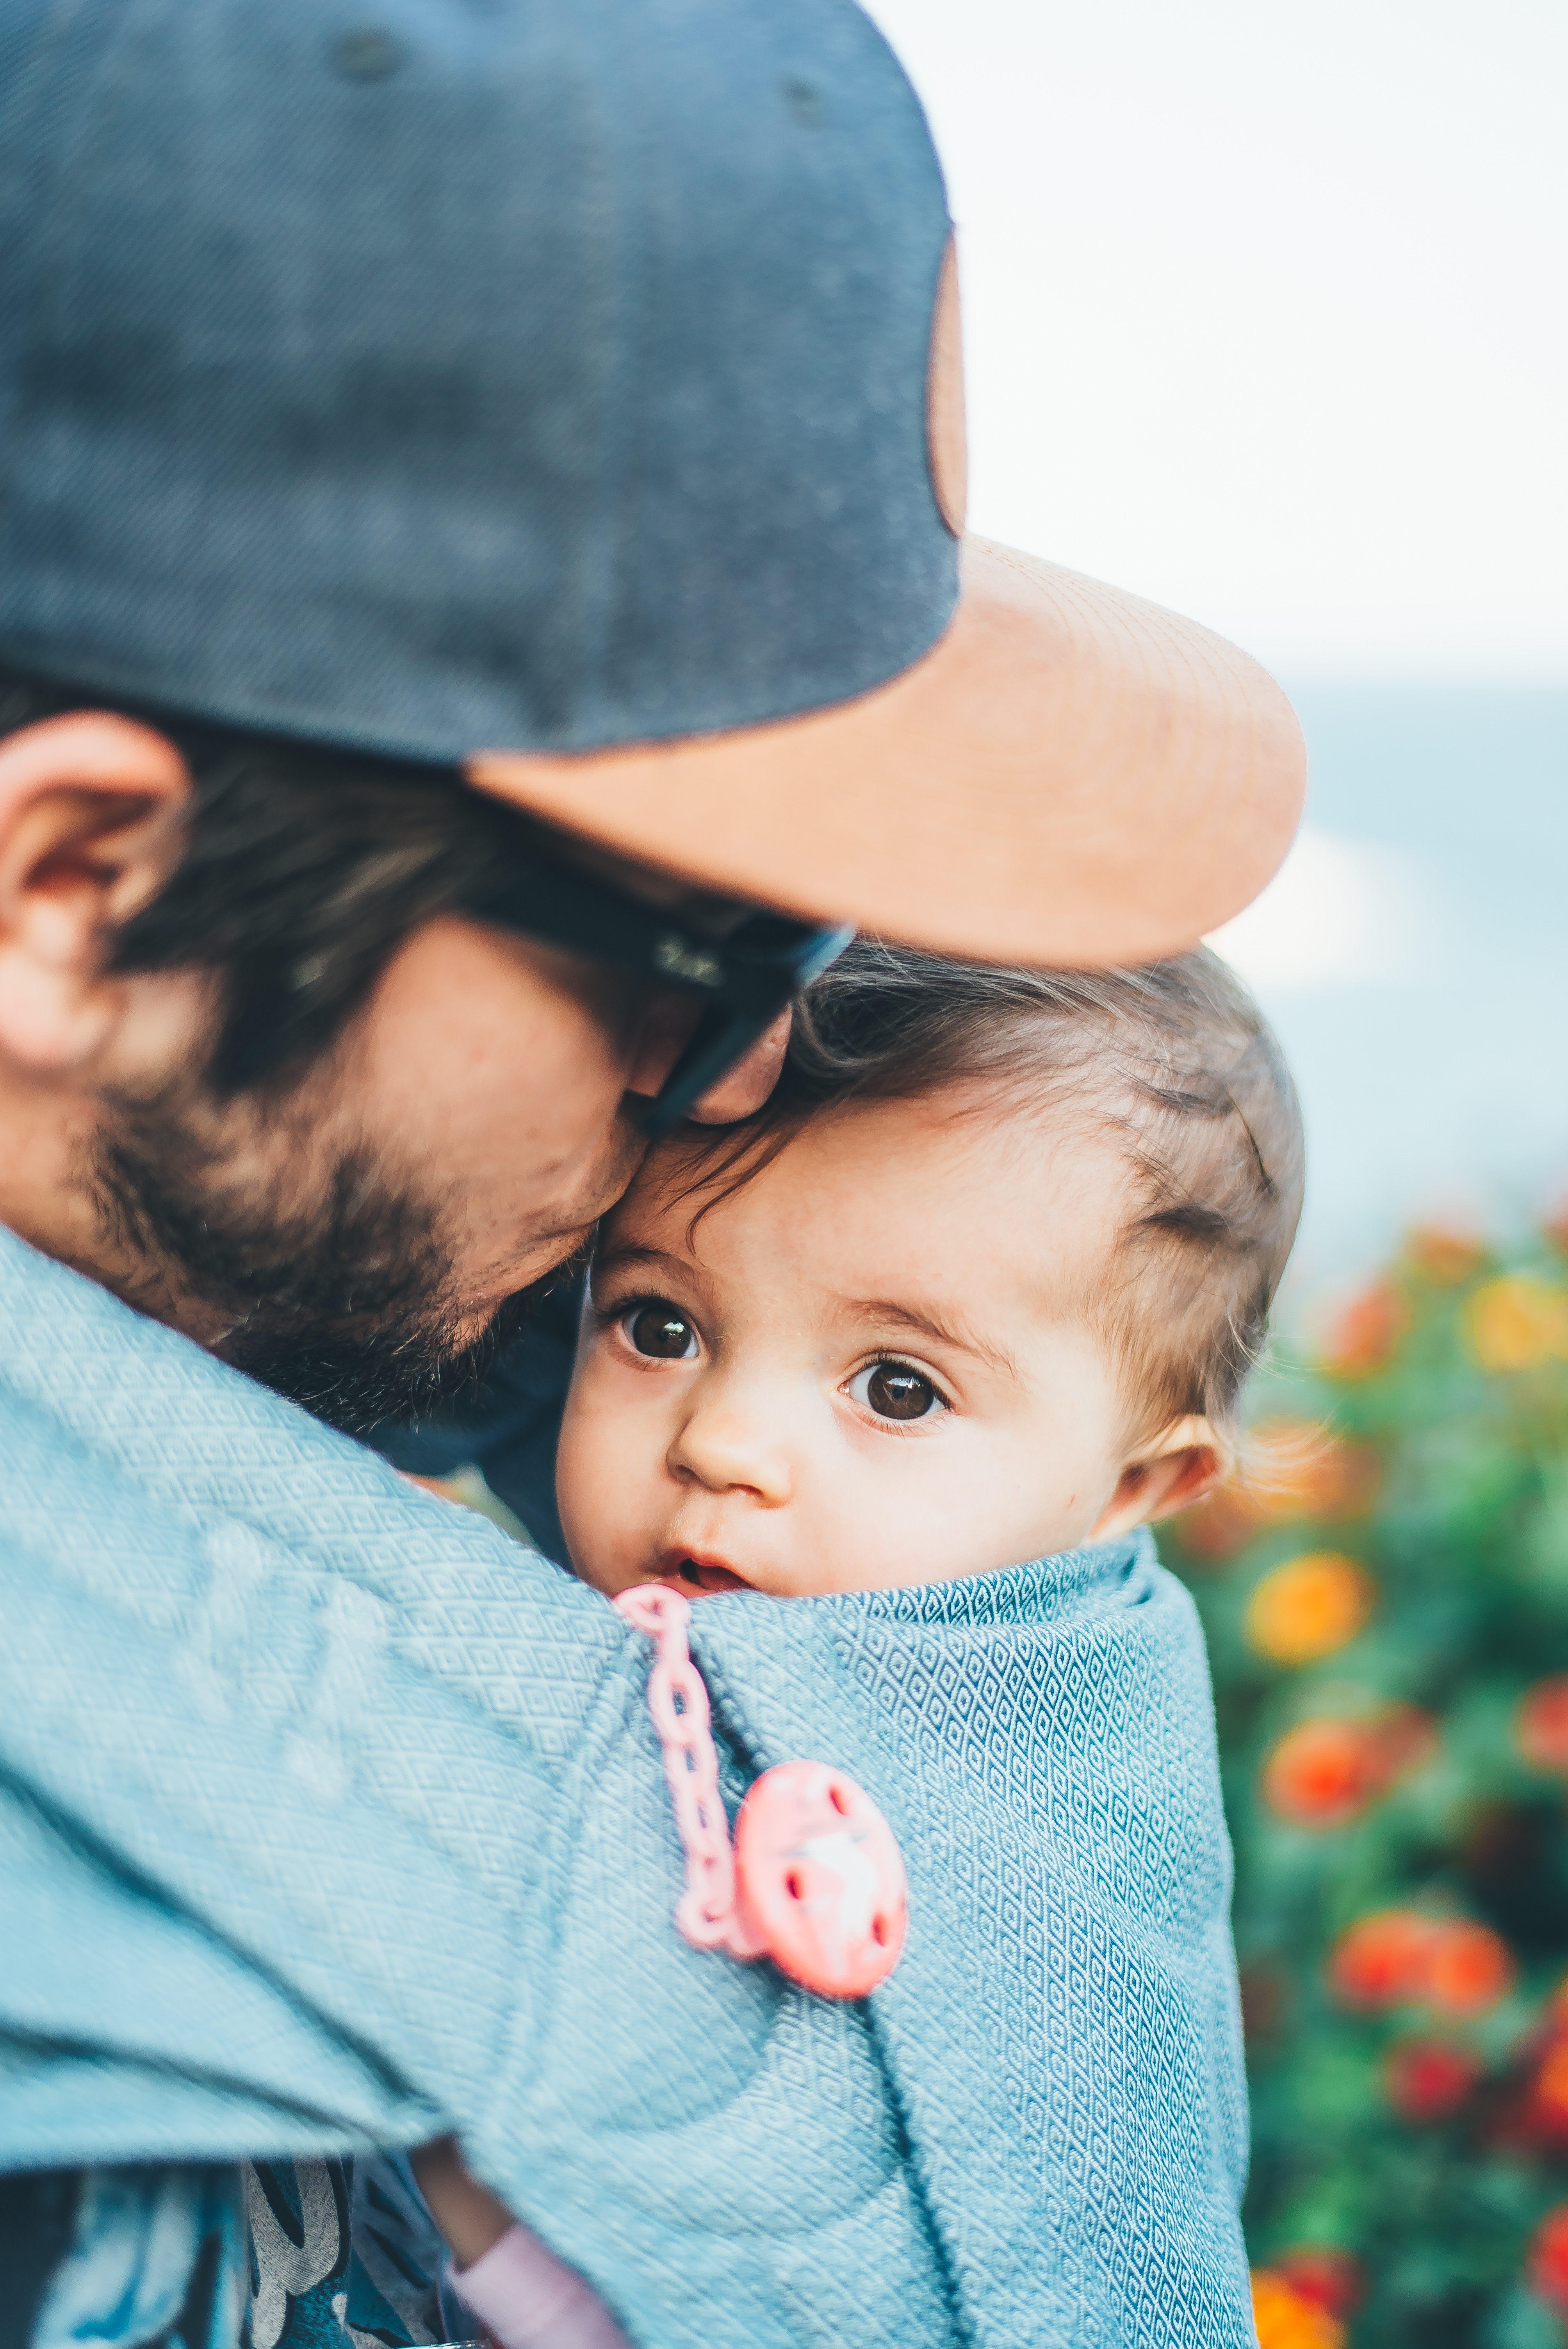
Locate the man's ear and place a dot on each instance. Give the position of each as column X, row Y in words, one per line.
column 89, row 810
column 1182, row 1464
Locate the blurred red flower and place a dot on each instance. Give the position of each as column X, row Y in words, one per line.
column 1330, row 2278
column 1547, row 2268
column 1541, row 1725
column 1427, row 2080
column 1287, row 2319
column 1547, row 2108
column 1364, row 1332
column 1378, row 1961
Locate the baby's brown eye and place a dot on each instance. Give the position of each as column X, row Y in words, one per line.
column 661, row 1330
column 895, row 1392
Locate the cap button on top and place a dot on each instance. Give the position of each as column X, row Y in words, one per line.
column 367, row 53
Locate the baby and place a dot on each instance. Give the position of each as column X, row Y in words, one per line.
column 979, row 1288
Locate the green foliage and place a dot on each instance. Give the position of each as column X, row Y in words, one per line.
column 1410, row 2087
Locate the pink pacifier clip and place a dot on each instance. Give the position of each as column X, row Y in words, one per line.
column 815, row 1879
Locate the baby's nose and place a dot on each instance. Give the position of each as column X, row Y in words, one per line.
column 728, row 1447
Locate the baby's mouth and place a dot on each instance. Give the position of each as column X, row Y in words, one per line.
column 696, row 1577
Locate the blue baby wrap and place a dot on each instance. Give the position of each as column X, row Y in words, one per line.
column 330, row 1819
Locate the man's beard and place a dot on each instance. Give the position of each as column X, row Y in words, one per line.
column 343, row 1306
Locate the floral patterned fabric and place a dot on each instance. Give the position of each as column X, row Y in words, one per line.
column 333, row 2254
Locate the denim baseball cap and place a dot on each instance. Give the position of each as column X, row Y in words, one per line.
column 571, row 390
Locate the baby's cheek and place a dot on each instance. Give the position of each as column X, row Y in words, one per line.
column 589, row 1492
column 971, row 1502
column 906, row 1521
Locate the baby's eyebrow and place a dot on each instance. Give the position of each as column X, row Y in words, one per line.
column 627, row 1253
column 926, row 1322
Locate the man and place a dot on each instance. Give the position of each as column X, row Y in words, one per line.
column 479, row 510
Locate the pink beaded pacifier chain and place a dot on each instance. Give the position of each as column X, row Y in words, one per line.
column 815, row 1879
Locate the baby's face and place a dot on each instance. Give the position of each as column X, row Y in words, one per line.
column 871, row 1365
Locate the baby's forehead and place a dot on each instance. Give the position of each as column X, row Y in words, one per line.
column 965, row 1182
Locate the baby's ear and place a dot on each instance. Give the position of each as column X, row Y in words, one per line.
column 1179, row 1465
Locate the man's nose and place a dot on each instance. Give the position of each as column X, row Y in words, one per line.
column 668, row 1024
column 667, row 1027
column 747, row 1085
column 731, row 1441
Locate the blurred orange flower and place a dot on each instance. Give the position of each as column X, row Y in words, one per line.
column 1445, row 1257
column 1324, row 1773
column 1428, row 2079
column 1291, row 1468
column 1517, row 1322
column 1468, row 1967
column 1547, row 2268
column 1287, row 2319
column 1308, row 1608
column 1362, row 1335
column 1297, row 1468
column 1378, row 1961
column 1403, row 1957
column 1541, row 1724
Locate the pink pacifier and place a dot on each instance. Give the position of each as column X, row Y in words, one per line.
column 815, row 1880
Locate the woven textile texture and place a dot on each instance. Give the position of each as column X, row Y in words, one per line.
column 330, row 1819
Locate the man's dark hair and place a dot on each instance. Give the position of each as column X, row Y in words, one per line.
column 303, row 871
column 1175, row 1060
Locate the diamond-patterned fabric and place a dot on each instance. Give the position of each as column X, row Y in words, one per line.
column 331, row 1819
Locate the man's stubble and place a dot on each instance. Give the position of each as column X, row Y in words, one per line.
column 343, row 1303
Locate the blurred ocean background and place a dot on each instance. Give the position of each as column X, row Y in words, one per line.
column 1263, row 319
column 1413, row 956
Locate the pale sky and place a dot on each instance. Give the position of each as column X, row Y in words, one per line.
column 1267, row 311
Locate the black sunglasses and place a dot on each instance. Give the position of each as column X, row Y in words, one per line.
column 743, row 977
column 743, row 965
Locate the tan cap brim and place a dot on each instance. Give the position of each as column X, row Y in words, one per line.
column 1071, row 776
